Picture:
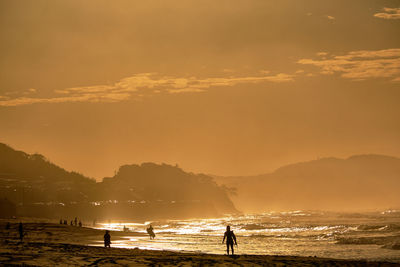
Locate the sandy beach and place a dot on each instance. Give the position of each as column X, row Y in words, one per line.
column 50, row 244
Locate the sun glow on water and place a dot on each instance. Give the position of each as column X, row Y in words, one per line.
column 278, row 233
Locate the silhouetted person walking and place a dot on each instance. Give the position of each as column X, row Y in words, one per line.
column 21, row 231
column 230, row 237
column 151, row 232
column 107, row 239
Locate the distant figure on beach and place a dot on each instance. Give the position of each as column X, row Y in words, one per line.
column 151, row 232
column 230, row 237
column 61, row 221
column 76, row 221
column 8, row 226
column 21, row 231
column 71, row 223
column 80, row 223
column 65, row 222
column 107, row 239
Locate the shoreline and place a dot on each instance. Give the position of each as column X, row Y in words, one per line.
column 50, row 244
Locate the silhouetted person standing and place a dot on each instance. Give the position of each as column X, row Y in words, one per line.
column 107, row 239
column 21, row 231
column 230, row 237
column 80, row 224
column 8, row 226
column 76, row 221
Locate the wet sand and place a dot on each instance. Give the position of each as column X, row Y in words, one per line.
column 49, row 244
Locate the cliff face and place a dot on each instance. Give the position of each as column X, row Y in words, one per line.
column 41, row 188
column 363, row 182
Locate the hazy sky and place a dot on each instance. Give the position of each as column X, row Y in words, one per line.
column 222, row 87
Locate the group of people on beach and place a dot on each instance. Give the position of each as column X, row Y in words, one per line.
column 107, row 236
column 229, row 236
column 72, row 222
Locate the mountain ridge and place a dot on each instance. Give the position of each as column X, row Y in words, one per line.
column 356, row 156
column 33, row 182
column 358, row 182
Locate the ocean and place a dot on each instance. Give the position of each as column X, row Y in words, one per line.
column 372, row 236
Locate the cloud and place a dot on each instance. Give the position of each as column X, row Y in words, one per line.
column 228, row 70
column 265, row 71
column 140, row 85
column 330, row 17
column 389, row 13
column 361, row 65
column 110, row 97
column 185, row 90
column 322, row 54
column 29, row 91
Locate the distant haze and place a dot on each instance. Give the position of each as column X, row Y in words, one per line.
column 358, row 183
column 217, row 87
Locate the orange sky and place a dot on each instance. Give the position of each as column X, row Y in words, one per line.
column 221, row 87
